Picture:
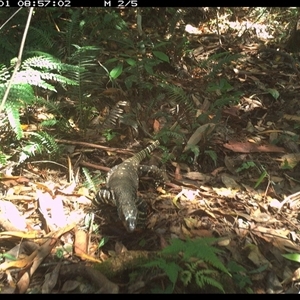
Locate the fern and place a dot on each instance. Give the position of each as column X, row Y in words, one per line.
column 3, row 158
column 19, row 94
column 12, row 112
column 89, row 183
column 114, row 115
column 60, row 120
column 40, row 38
column 199, row 248
column 187, row 108
column 171, row 268
column 40, row 142
column 203, row 277
column 201, row 270
column 216, row 62
column 4, row 74
column 36, row 70
column 41, row 71
column 165, row 135
column 86, row 79
column 72, row 28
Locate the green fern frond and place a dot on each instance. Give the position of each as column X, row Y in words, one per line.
column 186, row 277
column 200, row 248
column 39, row 142
column 4, row 74
column 89, row 183
column 176, row 93
column 165, row 135
column 72, row 26
column 49, row 123
column 187, row 107
column 3, row 158
column 87, row 79
column 36, row 70
column 171, row 269
column 58, row 78
column 114, row 115
column 218, row 60
column 46, row 61
column 40, row 37
column 32, row 77
column 42, row 62
column 202, row 279
column 18, row 94
column 12, row 112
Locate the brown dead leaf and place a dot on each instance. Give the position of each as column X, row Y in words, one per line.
column 197, row 176
column 230, row 164
column 120, row 248
column 247, row 147
column 177, row 174
column 20, row 263
column 36, row 258
column 51, row 279
column 201, row 233
column 290, row 160
column 229, row 182
column 156, row 126
column 9, row 214
column 291, row 117
column 224, row 192
column 200, row 134
column 70, row 285
column 81, row 242
column 52, row 209
column 256, row 256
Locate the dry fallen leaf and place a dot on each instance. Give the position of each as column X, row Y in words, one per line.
column 201, row 133
column 247, row 147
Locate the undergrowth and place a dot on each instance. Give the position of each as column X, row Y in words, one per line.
column 191, row 262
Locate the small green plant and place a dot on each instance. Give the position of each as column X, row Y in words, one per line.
column 109, row 134
column 225, row 92
column 103, row 241
column 262, row 171
column 213, row 155
column 191, row 261
column 39, row 143
column 245, row 166
column 216, row 62
column 240, row 277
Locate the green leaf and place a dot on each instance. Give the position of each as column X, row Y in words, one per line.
column 131, row 62
column 149, row 69
column 172, row 270
column 9, row 256
column 274, row 93
column 103, row 241
column 213, row 155
column 116, row 72
column 292, row 256
column 260, row 179
column 162, row 56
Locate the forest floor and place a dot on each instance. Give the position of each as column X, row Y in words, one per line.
column 243, row 188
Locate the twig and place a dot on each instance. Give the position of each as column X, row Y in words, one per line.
column 91, row 145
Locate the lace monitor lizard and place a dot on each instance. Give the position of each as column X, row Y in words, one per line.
column 121, row 188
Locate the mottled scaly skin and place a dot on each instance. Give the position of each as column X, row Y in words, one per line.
column 122, row 184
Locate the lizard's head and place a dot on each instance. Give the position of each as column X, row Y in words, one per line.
column 128, row 214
